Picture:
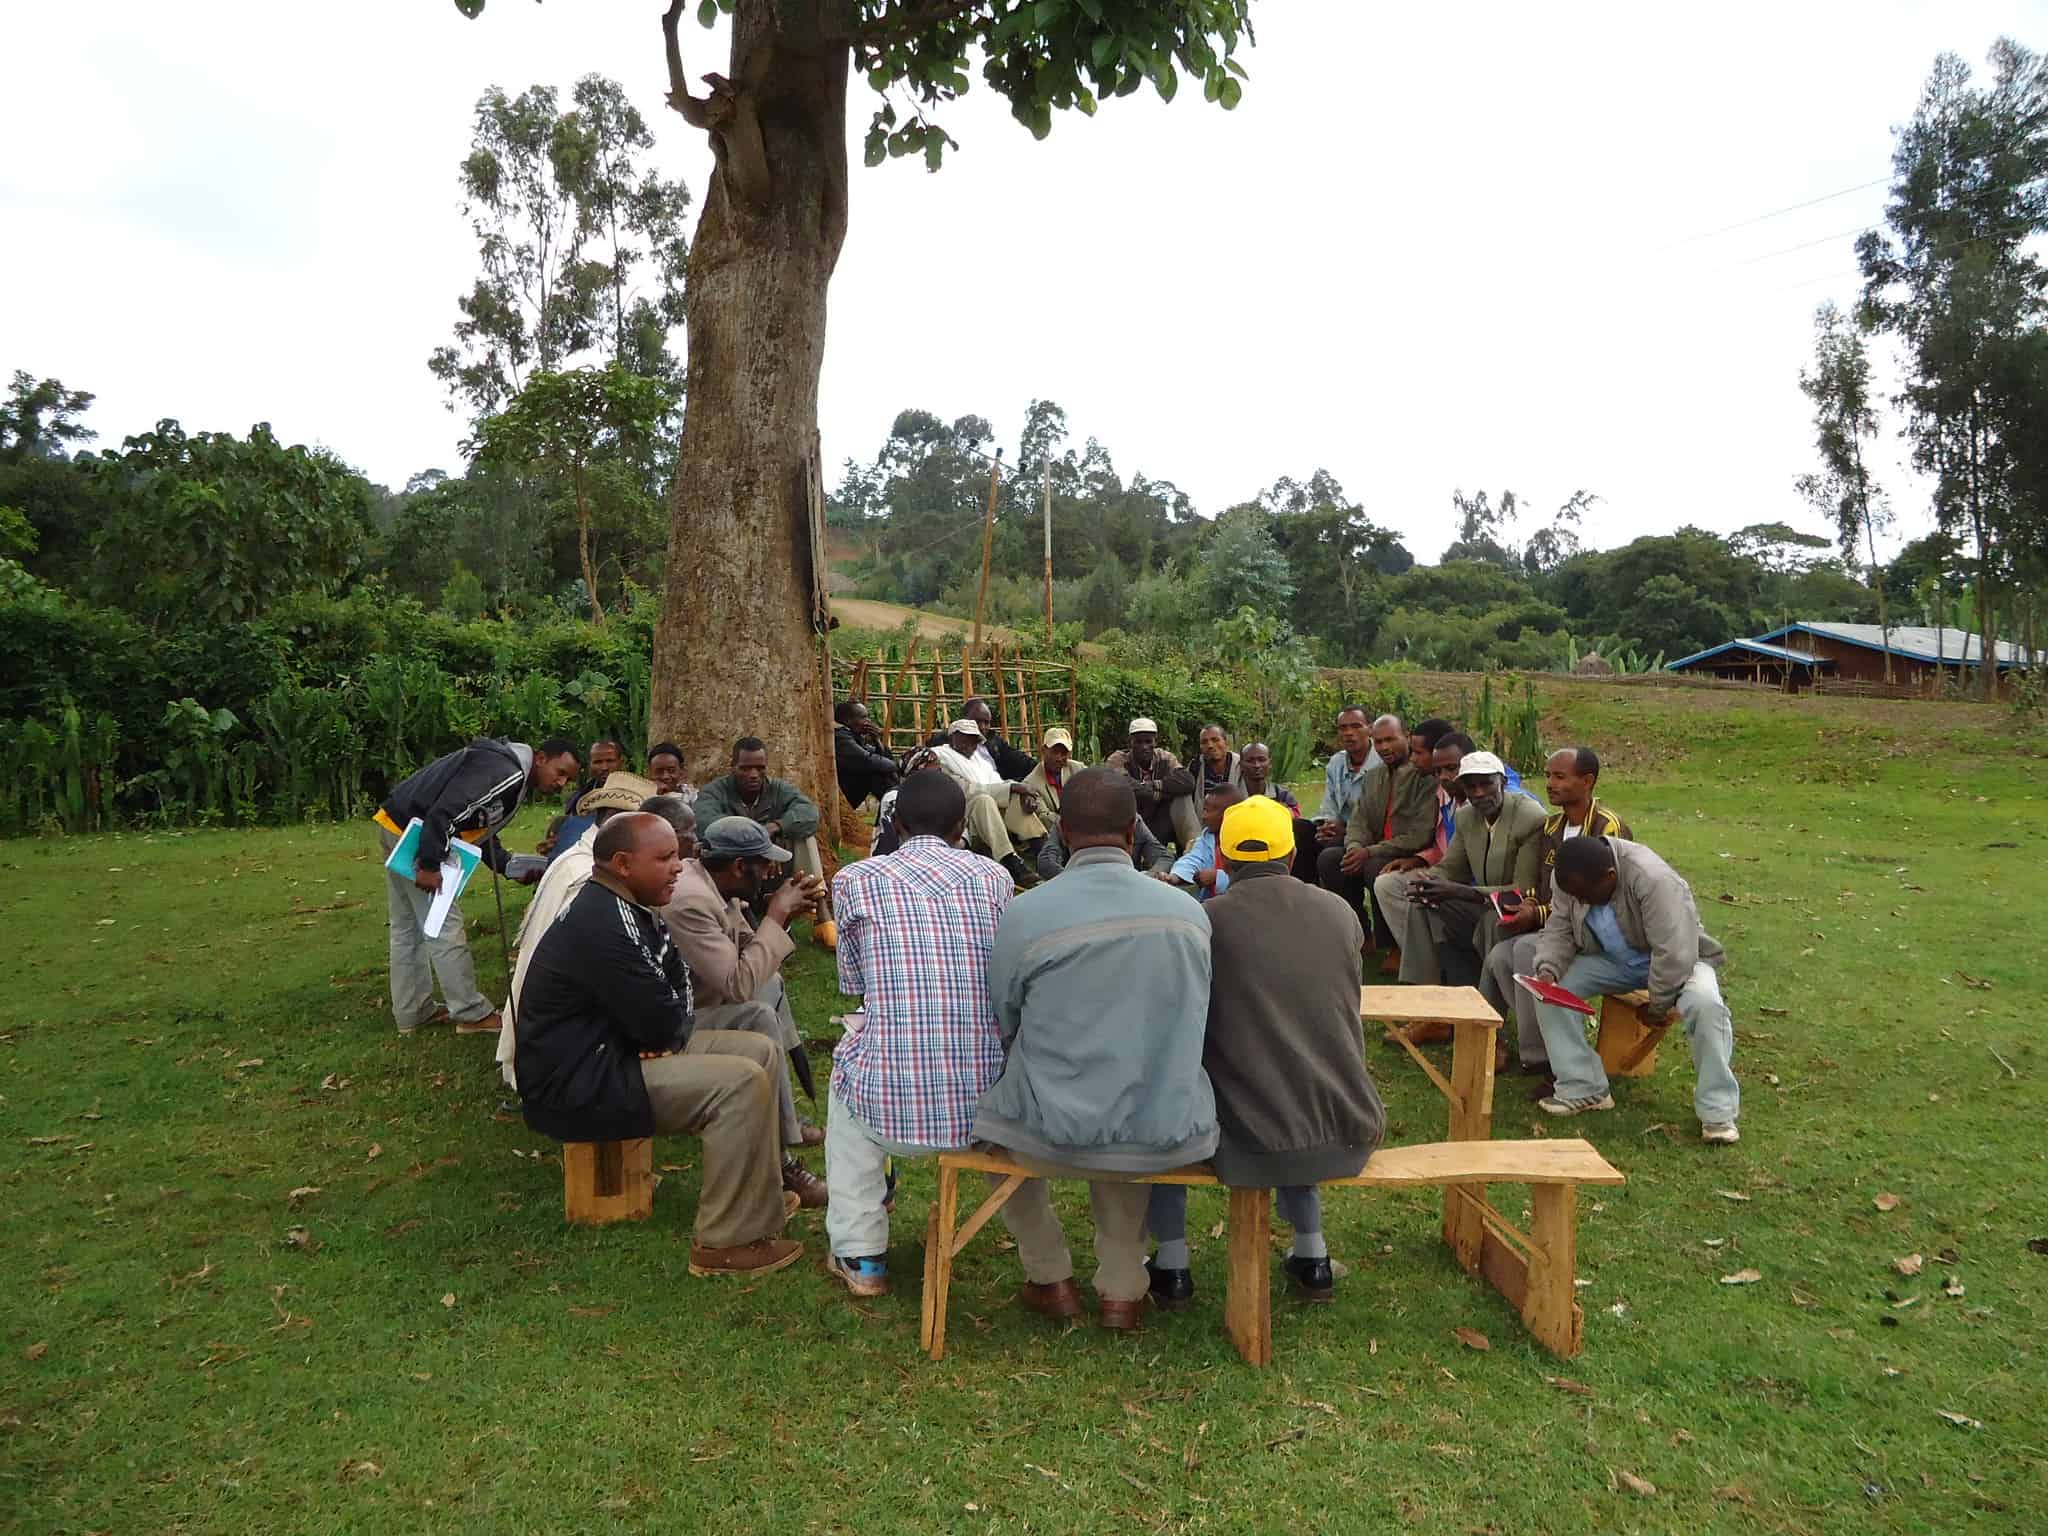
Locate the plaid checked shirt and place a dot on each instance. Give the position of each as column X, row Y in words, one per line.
column 915, row 930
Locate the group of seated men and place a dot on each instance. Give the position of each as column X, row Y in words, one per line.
column 647, row 996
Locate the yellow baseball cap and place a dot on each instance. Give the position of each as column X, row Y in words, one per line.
column 1257, row 829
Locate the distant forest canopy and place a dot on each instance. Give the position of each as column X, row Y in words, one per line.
column 1513, row 585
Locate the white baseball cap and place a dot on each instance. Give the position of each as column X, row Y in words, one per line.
column 963, row 727
column 1142, row 724
column 1477, row 763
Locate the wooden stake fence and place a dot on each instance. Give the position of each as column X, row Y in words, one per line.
column 913, row 700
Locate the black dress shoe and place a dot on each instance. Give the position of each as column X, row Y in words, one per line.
column 1312, row 1278
column 1172, row 1289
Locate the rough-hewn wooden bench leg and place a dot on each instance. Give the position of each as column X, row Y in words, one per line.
column 607, row 1181
column 938, row 1261
column 1248, row 1293
column 1627, row 1045
column 1552, row 1307
column 1471, row 1119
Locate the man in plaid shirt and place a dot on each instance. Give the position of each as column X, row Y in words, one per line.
column 915, row 930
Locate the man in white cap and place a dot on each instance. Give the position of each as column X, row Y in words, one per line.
column 1000, row 814
column 1165, row 790
column 1496, row 849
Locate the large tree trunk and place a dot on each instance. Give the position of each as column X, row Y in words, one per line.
column 739, row 648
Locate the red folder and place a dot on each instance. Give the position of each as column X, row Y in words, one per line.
column 1550, row 992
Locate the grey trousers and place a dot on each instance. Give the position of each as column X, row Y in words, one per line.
column 1166, row 1213
column 1429, row 937
column 1513, row 955
column 768, row 1015
column 417, row 960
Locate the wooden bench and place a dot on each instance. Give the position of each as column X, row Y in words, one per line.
column 1627, row 1043
column 607, row 1181
column 1534, row 1270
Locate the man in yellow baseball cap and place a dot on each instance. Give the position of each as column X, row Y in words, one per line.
column 1294, row 1102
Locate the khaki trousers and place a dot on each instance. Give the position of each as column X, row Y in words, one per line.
column 767, row 1015
column 1119, row 1210
column 987, row 827
column 718, row 1089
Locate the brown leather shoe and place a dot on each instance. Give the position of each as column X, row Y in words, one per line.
column 1429, row 1034
column 489, row 1024
column 1122, row 1316
column 808, row 1188
column 761, row 1257
column 1059, row 1299
column 809, row 1135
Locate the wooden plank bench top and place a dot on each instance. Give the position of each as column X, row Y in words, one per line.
column 1426, row 1005
column 1533, row 1270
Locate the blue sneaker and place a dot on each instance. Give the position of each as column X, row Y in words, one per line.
column 863, row 1277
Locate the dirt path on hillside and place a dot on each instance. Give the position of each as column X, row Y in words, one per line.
column 865, row 613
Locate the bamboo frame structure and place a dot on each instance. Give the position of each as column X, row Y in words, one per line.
column 912, row 700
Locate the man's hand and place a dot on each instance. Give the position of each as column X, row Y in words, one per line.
column 1355, row 860
column 1329, row 831
column 1655, row 1016
column 531, row 877
column 1402, row 866
column 1520, row 919
column 772, row 828
column 427, row 877
column 1547, row 973
column 1026, row 794
column 545, row 846
column 791, row 900
column 1206, row 879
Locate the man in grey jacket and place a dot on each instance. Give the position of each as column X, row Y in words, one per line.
column 1622, row 919
column 1100, row 984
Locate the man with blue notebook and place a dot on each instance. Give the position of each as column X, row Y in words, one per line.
column 469, row 794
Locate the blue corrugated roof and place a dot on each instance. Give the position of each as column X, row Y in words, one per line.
column 1775, row 652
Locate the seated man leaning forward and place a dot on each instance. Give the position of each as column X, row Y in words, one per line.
column 1570, row 775
column 915, row 930
column 1294, row 1102
column 1434, row 913
column 608, row 1050
column 1620, row 919
column 736, row 969
column 1100, row 983
column 787, row 812
column 1001, row 814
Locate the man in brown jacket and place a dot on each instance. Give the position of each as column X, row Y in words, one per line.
column 1165, row 790
column 1294, row 1102
column 736, row 968
column 1394, row 818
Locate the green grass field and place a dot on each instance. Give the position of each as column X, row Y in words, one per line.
column 269, row 1267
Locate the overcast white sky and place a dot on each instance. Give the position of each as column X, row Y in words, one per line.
column 1435, row 247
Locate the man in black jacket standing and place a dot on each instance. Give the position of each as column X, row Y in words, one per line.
column 607, row 1050
column 468, row 794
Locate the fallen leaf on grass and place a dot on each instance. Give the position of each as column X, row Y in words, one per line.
column 2038, row 1245
column 44, row 1141
column 1733, row 1194
column 1953, row 1288
column 1217, row 1230
column 376, row 1151
column 448, row 1299
column 1774, row 1013
column 105, row 922
column 590, row 1311
column 332, row 1082
column 1471, row 1338
column 1742, row 1277
column 37, row 1350
column 1771, row 1078
column 303, row 1192
column 1909, row 1265
column 1566, row 1384
column 253, row 1061
column 1960, row 1420
column 1887, row 1202
column 1642, row 1487
column 1713, row 1242
column 1976, row 982
column 1734, row 1493
column 351, row 1469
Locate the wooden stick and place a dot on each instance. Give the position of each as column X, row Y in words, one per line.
column 988, row 544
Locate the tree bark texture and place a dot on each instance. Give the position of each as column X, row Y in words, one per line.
column 739, row 648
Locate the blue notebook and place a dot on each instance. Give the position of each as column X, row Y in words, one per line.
column 462, row 861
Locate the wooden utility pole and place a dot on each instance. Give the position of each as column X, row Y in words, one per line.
column 988, row 544
column 1048, row 550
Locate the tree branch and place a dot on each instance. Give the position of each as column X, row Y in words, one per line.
column 693, row 108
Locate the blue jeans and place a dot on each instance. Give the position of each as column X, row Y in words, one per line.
column 1166, row 1210
column 1716, row 1097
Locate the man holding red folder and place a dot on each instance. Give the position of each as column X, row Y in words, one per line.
column 1623, row 919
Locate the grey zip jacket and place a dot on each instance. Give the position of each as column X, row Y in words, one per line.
column 1100, row 981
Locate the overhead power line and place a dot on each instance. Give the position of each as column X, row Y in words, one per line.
column 1778, row 213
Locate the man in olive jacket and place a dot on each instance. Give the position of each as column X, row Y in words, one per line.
column 1434, row 914
column 1621, row 919
column 1294, row 1102
column 1100, row 983
column 1393, row 818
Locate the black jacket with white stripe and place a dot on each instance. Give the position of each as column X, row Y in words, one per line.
column 604, row 985
column 477, row 789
